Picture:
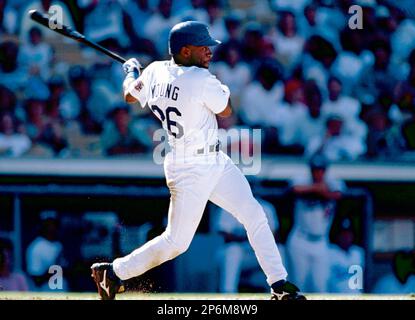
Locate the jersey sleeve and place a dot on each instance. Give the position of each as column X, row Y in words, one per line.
column 140, row 87
column 215, row 95
column 336, row 185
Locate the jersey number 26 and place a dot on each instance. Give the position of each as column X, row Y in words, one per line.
column 170, row 123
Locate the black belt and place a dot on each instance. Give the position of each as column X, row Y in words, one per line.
column 210, row 149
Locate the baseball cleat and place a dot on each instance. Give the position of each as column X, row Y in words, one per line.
column 284, row 290
column 107, row 282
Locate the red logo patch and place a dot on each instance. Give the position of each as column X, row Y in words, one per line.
column 139, row 86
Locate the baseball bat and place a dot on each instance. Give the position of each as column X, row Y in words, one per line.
column 67, row 31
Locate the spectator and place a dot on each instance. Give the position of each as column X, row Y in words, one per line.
column 288, row 43
column 45, row 251
column 386, row 20
column 383, row 139
column 299, row 117
column 255, row 47
column 312, row 124
column 104, row 86
column 308, row 24
column 293, row 111
column 42, row 6
column 12, row 75
column 294, row 6
column 43, row 130
column 8, row 100
column 159, row 25
column 319, row 56
column 260, row 100
column 348, row 107
column 12, row 142
column 353, row 60
column 56, row 85
column 236, row 258
column 343, row 255
column 86, row 102
column 36, row 55
column 136, row 15
column 196, row 12
column 336, row 145
column 10, row 280
column 381, row 75
column 216, row 21
column 403, row 39
column 233, row 72
column 8, row 18
column 138, row 12
column 339, row 102
column 404, row 93
column 122, row 135
column 103, row 20
column 233, row 29
column 314, row 22
column 307, row 245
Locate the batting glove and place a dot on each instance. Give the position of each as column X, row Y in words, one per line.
column 132, row 66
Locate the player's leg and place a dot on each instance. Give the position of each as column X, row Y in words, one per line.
column 185, row 212
column 233, row 193
column 230, row 267
column 187, row 205
column 190, row 187
column 320, row 268
column 298, row 251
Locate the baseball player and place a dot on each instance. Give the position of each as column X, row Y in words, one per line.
column 316, row 194
column 186, row 98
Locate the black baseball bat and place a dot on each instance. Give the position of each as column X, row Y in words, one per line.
column 67, row 31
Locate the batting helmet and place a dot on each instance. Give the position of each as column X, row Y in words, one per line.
column 190, row 32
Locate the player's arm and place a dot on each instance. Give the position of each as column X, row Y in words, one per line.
column 132, row 72
column 127, row 95
column 317, row 189
column 216, row 97
column 227, row 111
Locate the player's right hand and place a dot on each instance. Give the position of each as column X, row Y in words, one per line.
column 132, row 65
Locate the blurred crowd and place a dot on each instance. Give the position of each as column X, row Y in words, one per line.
column 295, row 69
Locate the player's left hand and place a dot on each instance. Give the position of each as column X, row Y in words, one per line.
column 132, row 65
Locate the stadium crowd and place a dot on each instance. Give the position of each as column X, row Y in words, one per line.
column 295, row 69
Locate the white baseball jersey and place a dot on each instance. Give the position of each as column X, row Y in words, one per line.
column 185, row 99
column 314, row 217
column 307, row 244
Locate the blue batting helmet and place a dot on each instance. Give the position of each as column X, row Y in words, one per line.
column 190, row 32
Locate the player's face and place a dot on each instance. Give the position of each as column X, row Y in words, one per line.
column 200, row 56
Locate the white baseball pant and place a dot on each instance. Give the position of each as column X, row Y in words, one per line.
column 191, row 186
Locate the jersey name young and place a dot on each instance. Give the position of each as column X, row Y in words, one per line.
column 165, row 90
